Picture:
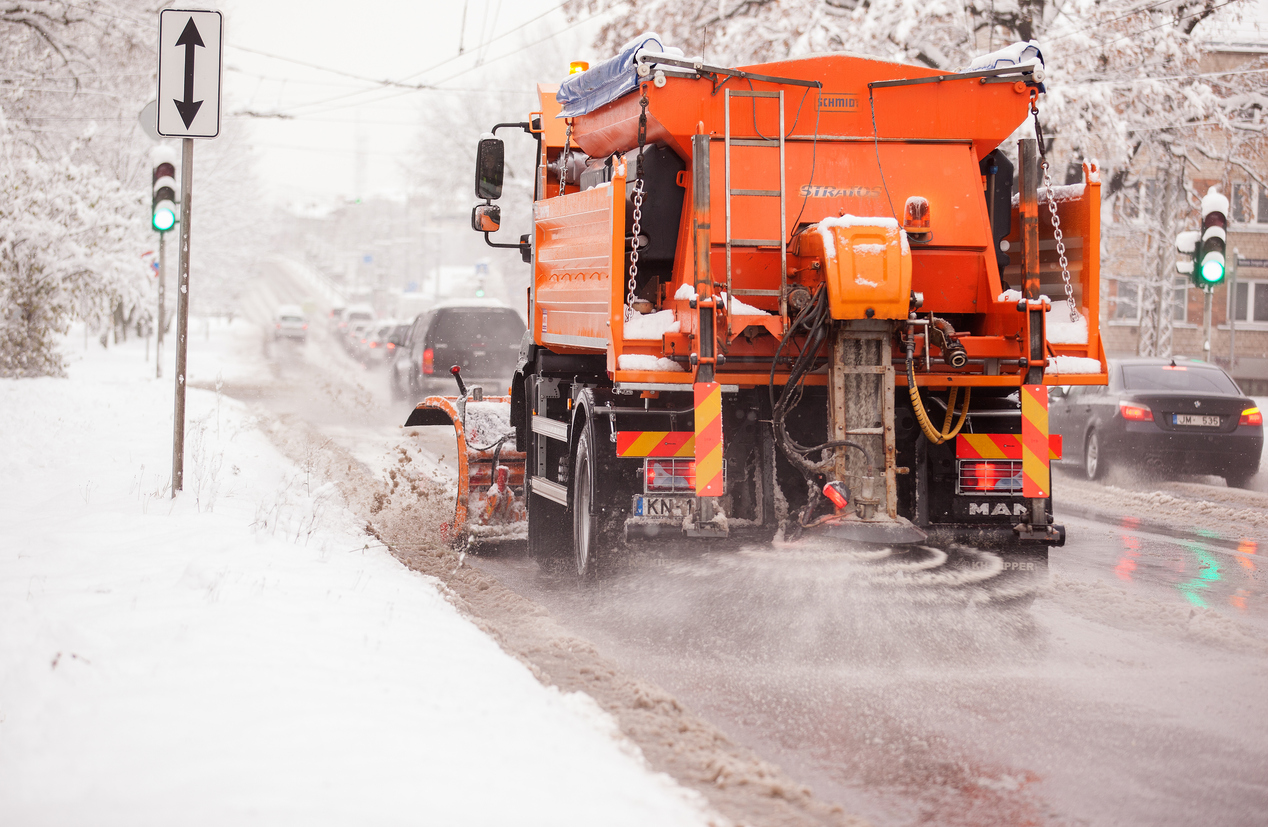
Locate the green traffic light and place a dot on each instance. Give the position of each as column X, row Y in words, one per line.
column 1212, row 271
column 164, row 218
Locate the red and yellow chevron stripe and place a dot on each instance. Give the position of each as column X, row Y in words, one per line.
column 708, row 448
column 999, row 446
column 655, row 444
column 1035, row 471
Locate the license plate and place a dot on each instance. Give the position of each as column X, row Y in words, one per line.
column 668, row 507
column 1198, row 420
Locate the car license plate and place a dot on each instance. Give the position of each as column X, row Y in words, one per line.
column 1198, row 420
column 668, row 507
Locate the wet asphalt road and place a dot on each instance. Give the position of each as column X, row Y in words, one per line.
column 1127, row 687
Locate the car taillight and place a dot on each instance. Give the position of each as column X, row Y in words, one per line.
column 1251, row 416
column 1135, row 413
column 391, row 346
column 372, row 344
column 427, row 361
column 305, row 327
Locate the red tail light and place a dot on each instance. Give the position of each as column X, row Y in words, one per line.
column 391, row 346
column 1135, row 413
column 372, row 344
column 1251, row 416
column 305, row 327
column 428, row 365
column 670, row 474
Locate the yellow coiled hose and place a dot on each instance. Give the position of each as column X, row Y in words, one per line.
column 932, row 434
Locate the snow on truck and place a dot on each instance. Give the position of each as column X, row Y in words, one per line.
column 806, row 298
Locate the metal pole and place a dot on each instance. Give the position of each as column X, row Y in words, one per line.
column 1207, row 292
column 182, row 317
column 162, row 309
column 1232, row 314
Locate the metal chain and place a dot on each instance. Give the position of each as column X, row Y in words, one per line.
column 1057, row 234
column 638, row 209
column 563, row 159
column 1056, row 221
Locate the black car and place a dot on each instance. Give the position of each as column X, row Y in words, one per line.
column 481, row 336
column 1173, row 416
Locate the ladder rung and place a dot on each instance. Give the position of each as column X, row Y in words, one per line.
column 754, row 142
column 861, row 369
column 865, row 432
column 763, row 193
column 756, row 292
column 754, row 242
column 754, row 94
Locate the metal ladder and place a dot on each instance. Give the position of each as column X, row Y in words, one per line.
column 782, row 241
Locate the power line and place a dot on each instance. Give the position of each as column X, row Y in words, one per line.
column 340, row 72
column 401, row 83
column 436, row 86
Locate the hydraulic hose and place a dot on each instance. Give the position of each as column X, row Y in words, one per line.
column 937, row 437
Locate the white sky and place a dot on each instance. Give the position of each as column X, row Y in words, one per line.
column 311, row 159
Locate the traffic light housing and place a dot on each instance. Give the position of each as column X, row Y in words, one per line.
column 1210, row 265
column 163, row 212
column 1187, row 247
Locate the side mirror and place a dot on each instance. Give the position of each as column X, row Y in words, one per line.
column 490, row 159
column 486, row 218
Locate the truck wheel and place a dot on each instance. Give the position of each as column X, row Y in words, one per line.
column 1094, row 459
column 590, row 542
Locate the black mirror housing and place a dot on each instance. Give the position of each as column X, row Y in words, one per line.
column 490, row 162
column 486, row 218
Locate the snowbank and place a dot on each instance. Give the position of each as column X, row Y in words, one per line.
column 244, row 653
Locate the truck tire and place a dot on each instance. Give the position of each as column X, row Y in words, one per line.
column 591, row 542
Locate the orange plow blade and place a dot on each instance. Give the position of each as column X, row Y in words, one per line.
column 489, row 501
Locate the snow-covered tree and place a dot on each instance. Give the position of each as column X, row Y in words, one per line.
column 1123, row 75
column 66, row 248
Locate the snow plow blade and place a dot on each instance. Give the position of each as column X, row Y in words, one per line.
column 489, row 501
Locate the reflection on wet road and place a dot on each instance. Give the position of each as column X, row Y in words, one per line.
column 921, row 686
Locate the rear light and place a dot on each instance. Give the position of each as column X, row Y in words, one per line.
column 999, row 475
column 1135, row 413
column 669, row 475
column 1251, row 416
column 391, row 346
column 372, row 344
column 428, row 365
column 305, row 327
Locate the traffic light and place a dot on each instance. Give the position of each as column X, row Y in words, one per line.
column 1187, row 247
column 1210, row 266
column 163, row 215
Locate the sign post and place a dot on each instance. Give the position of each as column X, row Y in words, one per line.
column 190, row 49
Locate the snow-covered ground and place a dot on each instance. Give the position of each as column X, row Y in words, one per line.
column 244, row 653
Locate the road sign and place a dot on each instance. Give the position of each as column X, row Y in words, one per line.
column 190, row 51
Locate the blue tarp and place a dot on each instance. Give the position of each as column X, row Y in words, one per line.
column 607, row 81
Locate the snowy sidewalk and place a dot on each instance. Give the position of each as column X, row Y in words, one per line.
column 238, row 656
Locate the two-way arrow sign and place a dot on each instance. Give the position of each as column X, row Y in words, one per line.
column 189, row 73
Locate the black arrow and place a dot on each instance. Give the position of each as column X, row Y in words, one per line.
column 189, row 39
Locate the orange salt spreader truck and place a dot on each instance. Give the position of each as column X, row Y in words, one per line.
column 806, row 299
